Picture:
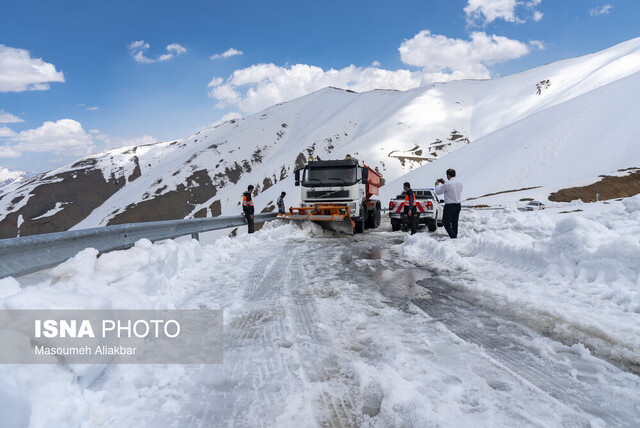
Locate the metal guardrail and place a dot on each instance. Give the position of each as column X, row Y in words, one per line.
column 23, row 255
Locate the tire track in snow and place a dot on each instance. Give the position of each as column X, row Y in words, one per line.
column 260, row 328
column 275, row 349
column 252, row 385
column 334, row 405
column 566, row 373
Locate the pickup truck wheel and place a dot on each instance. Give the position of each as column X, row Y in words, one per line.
column 395, row 225
column 431, row 225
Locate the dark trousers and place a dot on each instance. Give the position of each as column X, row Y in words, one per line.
column 450, row 219
column 252, row 226
column 413, row 222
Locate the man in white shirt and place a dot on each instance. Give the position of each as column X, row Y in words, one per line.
column 452, row 190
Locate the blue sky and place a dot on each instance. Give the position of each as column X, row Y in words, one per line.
column 116, row 90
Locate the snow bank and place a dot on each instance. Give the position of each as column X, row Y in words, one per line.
column 632, row 205
column 575, row 274
column 142, row 277
column 14, row 406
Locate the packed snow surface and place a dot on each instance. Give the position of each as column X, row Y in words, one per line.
column 529, row 319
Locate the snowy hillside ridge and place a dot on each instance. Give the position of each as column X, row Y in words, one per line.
column 574, row 273
column 392, row 131
column 567, row 145
column 8, row 176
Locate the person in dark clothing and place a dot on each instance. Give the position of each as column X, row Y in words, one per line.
column 247, row 208
column 410, row 207
column 280, row 203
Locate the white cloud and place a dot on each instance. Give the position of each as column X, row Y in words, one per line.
column 537, row 44
column 19, row 72
column 6, row 117
column 602, row 10
column 486, row 11
column 260, row 86
column 227, row 53
column 441, row 59
column 139, row 141
column 176, row 48
column 94, row 108
column 113, row 142
column 490, row 10
column 8, row 152
column 138, row 49
column 65, row 136
column 140, row 44
column 215, row 82
column 6, row 132
column 436, row 52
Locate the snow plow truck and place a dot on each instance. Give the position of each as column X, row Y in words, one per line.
column 337, row 195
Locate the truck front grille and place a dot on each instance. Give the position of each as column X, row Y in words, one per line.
column 332, row 194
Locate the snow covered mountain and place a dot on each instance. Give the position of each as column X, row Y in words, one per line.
column 582, row 143
column 552, row 126
column 8, row 176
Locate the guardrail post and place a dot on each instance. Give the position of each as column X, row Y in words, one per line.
column 195, row 236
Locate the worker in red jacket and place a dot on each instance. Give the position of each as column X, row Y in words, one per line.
column 247, row 208
column 410, row 207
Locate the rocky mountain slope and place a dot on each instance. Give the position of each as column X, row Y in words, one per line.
column 493, row 123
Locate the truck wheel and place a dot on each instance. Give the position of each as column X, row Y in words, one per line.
column 404, row 227
column 359, row 225
column 371, row 222
column 366, row 217
column 377, row 217
column 431, row 225
column 395, row 225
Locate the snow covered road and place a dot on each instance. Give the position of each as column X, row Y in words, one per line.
column 328, row 335
column 327, row 330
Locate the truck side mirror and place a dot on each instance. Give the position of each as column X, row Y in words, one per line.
column 365, row 174
column 297, row 176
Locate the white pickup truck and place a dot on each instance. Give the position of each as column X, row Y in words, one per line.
column 428, row 207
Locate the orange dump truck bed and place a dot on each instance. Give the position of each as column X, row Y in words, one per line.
column 373, row 183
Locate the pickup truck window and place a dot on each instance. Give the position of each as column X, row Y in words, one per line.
column 419, row 195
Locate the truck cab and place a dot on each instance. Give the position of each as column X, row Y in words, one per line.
column 346, row 182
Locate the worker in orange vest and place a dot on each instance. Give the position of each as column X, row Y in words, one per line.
column 247, row 208
column 410, row 207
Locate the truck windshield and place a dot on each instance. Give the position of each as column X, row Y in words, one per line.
column 329, row 176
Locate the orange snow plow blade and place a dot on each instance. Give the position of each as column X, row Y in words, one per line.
column 332, row 217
